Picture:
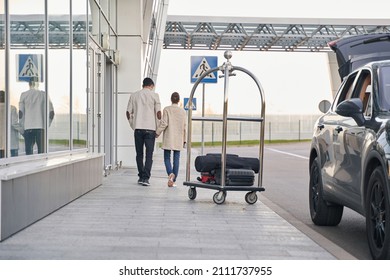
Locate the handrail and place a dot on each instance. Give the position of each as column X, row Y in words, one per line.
column 214, row 119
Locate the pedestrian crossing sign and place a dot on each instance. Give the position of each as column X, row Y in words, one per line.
column 186, row 105
column 201, row 64
column 29, row 66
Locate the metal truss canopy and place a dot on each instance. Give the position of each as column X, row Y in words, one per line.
column 28, row 31
column 205, row 33
column 263, row 34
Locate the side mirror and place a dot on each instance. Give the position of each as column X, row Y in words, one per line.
column 352, row 108
column 324, row 106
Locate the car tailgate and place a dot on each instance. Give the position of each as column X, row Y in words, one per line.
column 355, row 51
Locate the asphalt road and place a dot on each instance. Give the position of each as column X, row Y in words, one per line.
column 286, row 180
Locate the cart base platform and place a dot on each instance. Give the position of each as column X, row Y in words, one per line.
column 220, row 196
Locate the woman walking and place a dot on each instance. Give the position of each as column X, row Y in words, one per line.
column 173, row 126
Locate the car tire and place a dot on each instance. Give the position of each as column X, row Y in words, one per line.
column 322, row 212
column 377, row 212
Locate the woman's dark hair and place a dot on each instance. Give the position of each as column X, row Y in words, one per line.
column 175, row 97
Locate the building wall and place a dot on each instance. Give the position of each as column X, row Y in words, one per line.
column 134, row 29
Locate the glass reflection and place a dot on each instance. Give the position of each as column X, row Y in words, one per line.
column 2, row 82
column 17, row 131
column 34, row 102
column 59, row 73
column 79, row 85
column 26, row 74
column 32, row 109
column 2, row 124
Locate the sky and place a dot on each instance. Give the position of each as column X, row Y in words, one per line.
column 293, row 82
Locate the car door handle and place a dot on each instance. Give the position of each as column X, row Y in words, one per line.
column 321, row 126
column 338, row 129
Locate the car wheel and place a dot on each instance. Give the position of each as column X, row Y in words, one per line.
column 322, row 213
column 377, row 212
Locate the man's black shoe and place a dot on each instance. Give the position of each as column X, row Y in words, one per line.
column 146, row 183
column 140, row 181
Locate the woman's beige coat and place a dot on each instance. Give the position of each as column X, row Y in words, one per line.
column 173, row 124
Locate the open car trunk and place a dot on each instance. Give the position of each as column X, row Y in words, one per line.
column 355, row 51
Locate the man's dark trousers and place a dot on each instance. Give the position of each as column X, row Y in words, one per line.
column 32, row 136
column 147, row 138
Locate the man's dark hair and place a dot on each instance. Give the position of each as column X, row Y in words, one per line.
column 33, row 80
column 147, row 82
column 175, row 97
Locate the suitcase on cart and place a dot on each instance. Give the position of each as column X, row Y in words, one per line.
column 207, row 177
column 236, row 177
column 212, row 161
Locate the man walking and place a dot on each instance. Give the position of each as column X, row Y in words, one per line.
column 143, row 113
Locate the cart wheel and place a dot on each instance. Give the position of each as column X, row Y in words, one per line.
column 192, row 193
column 219, row 197
column 251, row 197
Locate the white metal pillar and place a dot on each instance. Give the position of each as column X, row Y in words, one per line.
column 334, row 76
column 130, row 45
column 134, row 26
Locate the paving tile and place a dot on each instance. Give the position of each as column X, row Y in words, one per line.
column 122, row 220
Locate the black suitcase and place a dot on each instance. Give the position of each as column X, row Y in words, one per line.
column 236, row 177
column 209, row 162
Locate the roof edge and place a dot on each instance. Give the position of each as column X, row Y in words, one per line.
column 277, row 20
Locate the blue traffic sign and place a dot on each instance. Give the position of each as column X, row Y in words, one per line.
column 186, row 105
column 201, row 64
column 30, row 66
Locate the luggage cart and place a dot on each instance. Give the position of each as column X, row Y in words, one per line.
column 219, row 197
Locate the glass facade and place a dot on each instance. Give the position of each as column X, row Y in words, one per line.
column 26, row 75
column 3, row 113
column 45, row 94
column 58, row 76
column 79, row 75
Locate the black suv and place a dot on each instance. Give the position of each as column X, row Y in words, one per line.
column 350, row 150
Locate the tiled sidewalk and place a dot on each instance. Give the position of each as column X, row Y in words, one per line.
column 123, row 220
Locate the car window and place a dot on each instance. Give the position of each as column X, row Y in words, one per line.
column 346, row 90
column 384, row 88
column 362, row 90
